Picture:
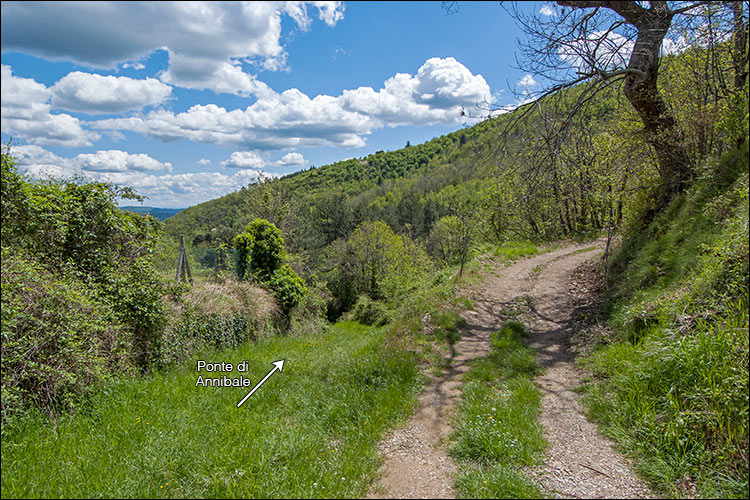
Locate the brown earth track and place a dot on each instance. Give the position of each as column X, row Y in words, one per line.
column 579, row 462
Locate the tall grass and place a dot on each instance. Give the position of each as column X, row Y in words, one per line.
column 673, row 389
column 310, row 432
column 679, row 404
column 497, row 430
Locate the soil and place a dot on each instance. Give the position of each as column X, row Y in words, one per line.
column 579, row 462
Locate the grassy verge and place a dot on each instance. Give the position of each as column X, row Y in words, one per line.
column 672, row 388
column 310, row 431
column 497, row 431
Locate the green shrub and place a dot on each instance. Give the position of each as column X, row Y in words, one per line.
column 261, row 249
column 261, row 254
column 58, row 340
column 370, row 312
column 288, row 288
column 136, row 295
column 81, row 293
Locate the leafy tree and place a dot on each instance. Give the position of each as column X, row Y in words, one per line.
column 261, row 249
column 607, row 43
column 262, row 256
column 446, row 239
column 375, row 262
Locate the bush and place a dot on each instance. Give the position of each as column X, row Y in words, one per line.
column 376, row 262
column 261, row 249
column 215, row 315
column 135, row 294
column 81, row 295
column 287, row 287
column 58, row 340
column 370, row 312
column 261, row 253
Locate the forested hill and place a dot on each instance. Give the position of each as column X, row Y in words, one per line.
column 442, row 159
column 498, row 173
column 556, row 170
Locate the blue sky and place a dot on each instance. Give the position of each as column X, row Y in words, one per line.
column 188, row 102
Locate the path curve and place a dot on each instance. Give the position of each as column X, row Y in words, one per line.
column 417, row 464
column 579, row 462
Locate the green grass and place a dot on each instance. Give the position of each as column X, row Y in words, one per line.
column 497, row 430
column 584, row 250
column 679, row 404
column 673, row 388
column 310, row 431
column 513, row 250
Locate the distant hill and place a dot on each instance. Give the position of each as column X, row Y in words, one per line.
column 362, row 184
column 159, row 213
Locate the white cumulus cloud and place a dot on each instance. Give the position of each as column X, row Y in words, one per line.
column 244, row 159
column 527, row 81
column 291, row 119
column 165, row 190
column 94, row 94
column 119, row 161
column 547, row 10
column 290, row 159
column 38, row 161
column 247, row 159
column 26, row 114
column 215, row 35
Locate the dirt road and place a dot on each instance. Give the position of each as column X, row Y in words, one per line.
column 579, row 462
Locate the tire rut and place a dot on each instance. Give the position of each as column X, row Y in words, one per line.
column 417, row 463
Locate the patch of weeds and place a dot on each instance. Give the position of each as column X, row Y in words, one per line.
column 497, row 430
column 512, row 250
column 584, row 250
column 495, row 482
column 464, row 303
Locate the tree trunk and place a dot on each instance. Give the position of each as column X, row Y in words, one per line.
column 739, row 55
column 641, row 90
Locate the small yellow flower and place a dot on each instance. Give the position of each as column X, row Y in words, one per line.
column 485, row 482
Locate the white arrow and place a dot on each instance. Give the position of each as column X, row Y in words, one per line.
column 277, row 365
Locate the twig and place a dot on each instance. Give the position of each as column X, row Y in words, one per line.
column 595, row 470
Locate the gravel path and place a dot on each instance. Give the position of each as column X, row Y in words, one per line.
column 580, row 462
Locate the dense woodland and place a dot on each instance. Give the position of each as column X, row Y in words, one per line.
column 89, row 297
